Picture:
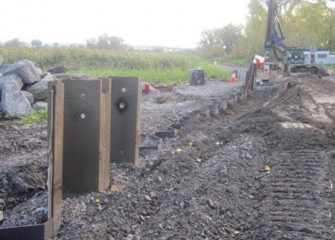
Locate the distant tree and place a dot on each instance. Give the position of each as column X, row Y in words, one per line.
column 253, row 43
column 228, row 36
column 306, row 23
column 15, row 43
column 36, row 43
column 220, row 41
column 55, row 45
column 107, row 42
column 91, row 43
column 76, row 45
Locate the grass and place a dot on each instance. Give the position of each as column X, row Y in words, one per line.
column 164, row 76
column 237, row 62
column 155, row 67
column 162, row 67
column 35, row 117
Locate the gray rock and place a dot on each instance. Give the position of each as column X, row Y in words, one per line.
column 2, row 217
column 13, row 100
column 2, row 204
column 58, row 69
column 223, row 105
column 40, row 89
column 4, row 68
column 214, row 111
column 240, row 97
column 12, row 78
column 40, row 105
column 231, row 103
column 26, row 70
column 29, row 96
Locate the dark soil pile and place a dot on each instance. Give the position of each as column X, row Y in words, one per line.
column 262, row 170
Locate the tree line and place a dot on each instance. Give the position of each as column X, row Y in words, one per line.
column 306, row 23
column 102, row 42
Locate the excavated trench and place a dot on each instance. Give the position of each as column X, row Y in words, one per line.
column 262, row 169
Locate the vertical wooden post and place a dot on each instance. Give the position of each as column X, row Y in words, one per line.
column 55, row 155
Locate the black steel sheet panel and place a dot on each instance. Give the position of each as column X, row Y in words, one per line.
column 33, row 232
column 81, row 136
column 125, row 122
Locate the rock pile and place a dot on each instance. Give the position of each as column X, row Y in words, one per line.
column 23, row 88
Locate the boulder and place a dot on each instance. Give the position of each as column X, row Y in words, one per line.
column 58, row 69
column 40, row 89
column 13, row 100
column 214, row 111
column 29, row 96
column 12, row 78
column 2, row 217
column 4, row 68
column 223, row 107
column 40, row 105
column 26, row 70
column 1, row 77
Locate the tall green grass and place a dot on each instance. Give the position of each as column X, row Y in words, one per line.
column 164, row 67
column 164, row 76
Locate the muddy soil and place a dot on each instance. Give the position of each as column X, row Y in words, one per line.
column 263, row 169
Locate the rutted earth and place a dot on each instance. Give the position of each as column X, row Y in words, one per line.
column 263, row 169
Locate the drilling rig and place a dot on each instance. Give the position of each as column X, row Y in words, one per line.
column 293, row 59
column 297, row 59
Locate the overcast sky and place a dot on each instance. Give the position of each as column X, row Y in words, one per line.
column 175, row 23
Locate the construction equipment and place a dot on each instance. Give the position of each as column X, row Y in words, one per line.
column 294, row 59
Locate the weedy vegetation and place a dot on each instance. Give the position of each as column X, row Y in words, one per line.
column 36, row 117
column 158, row 67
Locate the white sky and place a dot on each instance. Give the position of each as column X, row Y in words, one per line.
column 175, row 23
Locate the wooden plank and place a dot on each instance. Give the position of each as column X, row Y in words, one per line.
column 177, row 125
column 151, row 142
column 58, row 159
column 104, row 144
column 170, row 133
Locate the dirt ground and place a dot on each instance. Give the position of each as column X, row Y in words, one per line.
column 264, row 169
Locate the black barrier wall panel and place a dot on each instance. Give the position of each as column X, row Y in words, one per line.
column 125, row 109
column 81, row 136
column 49, row 229
column 35, row 232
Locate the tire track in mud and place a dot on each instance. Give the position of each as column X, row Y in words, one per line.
column 299, row 198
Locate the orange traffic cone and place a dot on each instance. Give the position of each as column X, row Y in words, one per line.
column 233, row 77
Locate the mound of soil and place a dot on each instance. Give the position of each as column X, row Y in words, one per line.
column 264, row 169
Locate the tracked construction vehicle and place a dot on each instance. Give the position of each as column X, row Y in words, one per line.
column 290, row 59
column 294, row 59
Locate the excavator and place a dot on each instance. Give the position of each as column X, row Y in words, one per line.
column 294, row 59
